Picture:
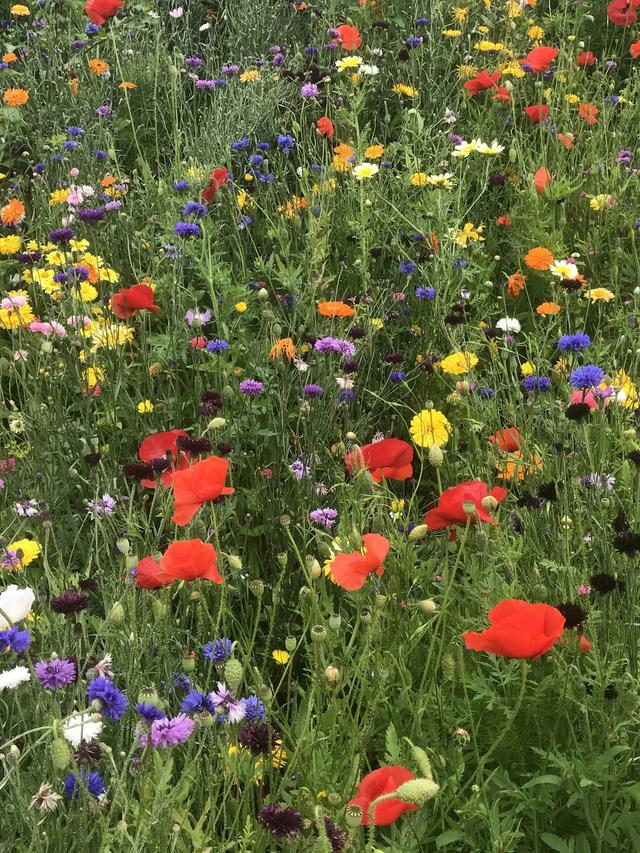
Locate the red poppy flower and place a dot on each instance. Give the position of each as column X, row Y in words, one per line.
column 588, row 113
column 585, row 59
column 189, row 560
column 518, row 630
column 128, row 300
column 216, row 180
column 481, row 82
column 196, row 484
column 99, row 10
column 623, row 13
column 325, row 127
column 509, row 440
column 162, row 446
column 450, row 509
column 149, row 575
column 542, row 179
column 635, row 50
column 502, row 94
column 540, row 58
column 537, row 113
column 384, row 780
column 505, row 220
column 350, row 571
column 349, row 37
column 584, row 645
column 390, row 458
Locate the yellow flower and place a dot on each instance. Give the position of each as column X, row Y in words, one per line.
column 419, row 179
column 23, row 552
column 430, row 427
column 377, row 323
column 20, row 10
column 486, row 46
column 78, row 245
column 242, row 199
column 15, row 310
column 397, row 506
column 364, row 171
column 513, row 9
column 92, row 376
column 46, row 281
column 600, row 202
column 58, row 197
column 10, row 245
column 460, row 14
column 572, row 99
column 458, row 363
column 280, row 656
column 599, row 294
column 241, row 307
column 626, row 391
column 127, row 84
column 145, row 407
column 469, row 232
column 249, row 76
column 466, row 72
column 511, row 69
column 56, row 258
column 349, row 62
column 106, row 335
column 407, row 91
column 535, row 33
column 527, row 369
column 279, row 755
column 87, row 292
column 107, row 274
column 374, row 152
column 441, row 181
column 452, row 34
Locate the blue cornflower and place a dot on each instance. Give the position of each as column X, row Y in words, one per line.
column 75, row 131
column 180, row 186
column 588, row 376
column 346, row 396
column 92, row 29
column 574, row 343
column 254, row 709
column 100, row 155
column 195, row 702
column 286, row 143
column 263, row 146
column 149, row 712
column 194, row 208
column 15, row 639
column 460, row 263
column 114, row 703
column 266, row 177
column 70, row 144
column 486, row 393
column 408, row 267
column 187, row 229
column 426, row 293
column 180, row 681
column 256, row 159
column 536, row 383
column 422, row 22
column 413, row 41
column 240, row 144
column 397, row 376
column 218, row 650
column 94, row 782
column 217, row 345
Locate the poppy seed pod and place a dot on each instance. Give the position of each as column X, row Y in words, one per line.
column 489, row 503
column 353, row 815
column 148, row 696
column 365, row 617
column 188, row 664
column 282, row 559
column 257, row 587
column 417, row 791
column 318, row 633
column 468, row 507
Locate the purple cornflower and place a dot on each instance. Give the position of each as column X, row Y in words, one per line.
column 15, row 639
column 218, row 650
column 425, row 293
column 101, row 508
column 574, row 343
column 27, row 508
column 104, row 111
column 230, row 71
column 397, row 376
column 202, row 317
column 194, row 61
column 113, row 702
column 299, row 469
column 61, row 235
column 205, row 84
column 149, row 713
column 407, row 267
column 94, row 784
column 337, row 345
column 624, row 157
column 324, row 516
column 536, row 383
column 286, row 143
column 180, row 186
column 312, row 391
column 413, row 41
column 194, row 208
column 588, row 376
column 604, row 482
column 217, row 345
column 170, row 732
column 55, row 673
column 251, row 387
column 254, row 709
column 309, row 90
column 280, row 822
column 187, row 230
column 227, row 707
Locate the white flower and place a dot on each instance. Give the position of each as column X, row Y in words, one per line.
column 493, row 148
column 450, row 116
column 365, row 170
column 13, row 677
column 177, row 13
column 300, row 365
column 344, row 383
column 369, row 70
column 15, row 604
column 463, row 149
column 81, row 727
column 564, row 269
column 508, row 324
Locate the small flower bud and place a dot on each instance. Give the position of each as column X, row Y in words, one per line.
column 436, row 456
column 314, row 567
column 233, row 673
column 217, row 423
column 335, row 621
column 489, row 503
column 334, row 800
column 351, row 436
column 124, row 546
column 332, row 675
column 116, row 614
column 428, row 606
column 290, row 643
column 235, row 562
column 417, row 791
column 60, row 753
column 263, row 294
column 418, row 532
column 448, row 667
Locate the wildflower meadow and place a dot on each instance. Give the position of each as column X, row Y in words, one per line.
column 320, row 426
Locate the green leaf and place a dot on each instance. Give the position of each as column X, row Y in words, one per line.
column 547, row 779
column 554, row 842
column 450, row 836
column 392, row 745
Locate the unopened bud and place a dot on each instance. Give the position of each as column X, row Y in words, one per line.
column 417, row 791
column 489, row 503
column 13, row 756
column 263, row 294
column 235, row 562
column 124, row 546
column 436, row 456
column 418, row 532
column 315, row 569
column 233, row 673
column 335, row 621
column 428, row 606
column 332, row 675
column 116, row 614
column 290, row 644
column 217, row 423
column 351, row 436
column 60, row 753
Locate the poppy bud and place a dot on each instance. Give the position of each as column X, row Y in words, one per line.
column 489, row 503
column 257, row 587
column 233, row 673
column 335, row 621
column 332, row 675
column 481, row 541
column 235, row 562
column 188, row 664
column 13, row 756
column 428, row 405
column 448, row 667
column 318, row 633
column 436, row 456
column 276, row 329
column 123, row 545
column 216, row 423
column 290, row 644
column 116, row 614
column 263, row 294
column 417, row 791
column 131, row 561
column 419, row 531
column 584, row 645
column 334, row 800
column 428, row 606
column 60, row 753
column 159, row 608
column 378, row 524
column 463, row 387
column 351, row 436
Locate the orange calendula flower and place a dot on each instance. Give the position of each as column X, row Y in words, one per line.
column 538, row 258
column 13, row 212
column 566, row 139
column 335, row 309
column 9, row 58
column 15, row 97
column 548, row 309
column 588, row 113
column 517, row 466
column 98, row 66
column 283, row 346
column 516, row 284
column 126, row 84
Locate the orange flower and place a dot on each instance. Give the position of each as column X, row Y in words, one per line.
column 108, row 181
column 9, row 58
column 189, row 560
column 196, row 485
column 566, row 139
column 335, row 309
column 588, row 113
column 127, row 85
column 548, row 309
column 538, row 258
column 516, row 466
column 15, row 97
column 13, row 212
column 98, row 66
column 516, row 284
column 542, row 179
column 505, row 220
column 283, row 346
column 350, row 571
